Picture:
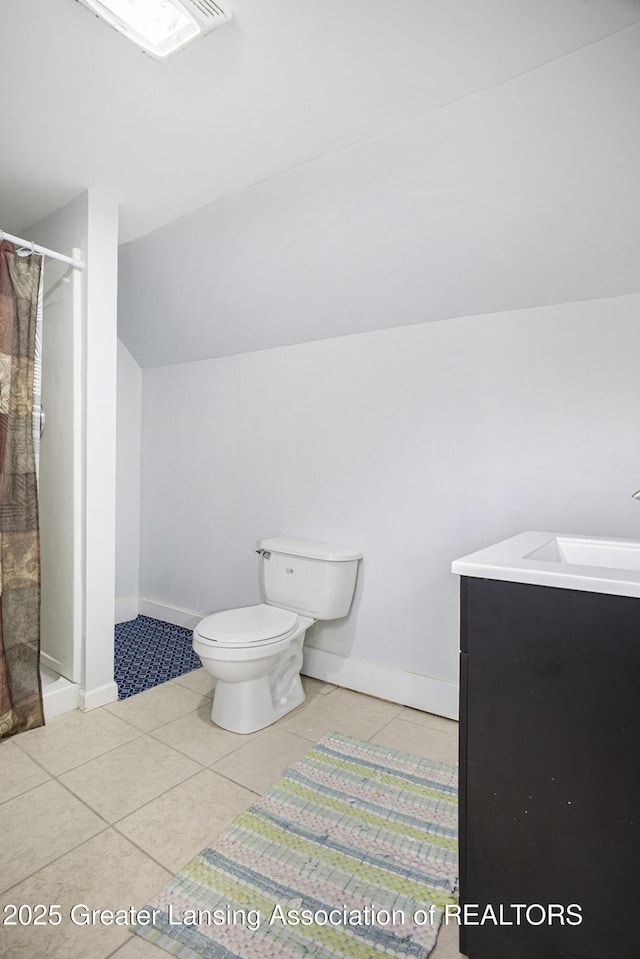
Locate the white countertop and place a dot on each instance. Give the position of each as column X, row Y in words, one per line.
column 594, row 564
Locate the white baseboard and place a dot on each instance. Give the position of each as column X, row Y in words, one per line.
column 92, row 698
column 385, row 682
column 59, row 697
column 169, row 614
column 126, row 609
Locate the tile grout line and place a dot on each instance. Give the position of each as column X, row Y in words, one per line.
column 29, row 789
column 124, row 945
column 234, row 781
column 56, row 859
column 378, row 731
column 140, row 849
column 432, row 728
column 84, row 762
column 153, row 799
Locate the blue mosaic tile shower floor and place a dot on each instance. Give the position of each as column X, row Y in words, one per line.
column 149, row 652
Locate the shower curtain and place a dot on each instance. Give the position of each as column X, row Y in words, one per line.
column 20, row 689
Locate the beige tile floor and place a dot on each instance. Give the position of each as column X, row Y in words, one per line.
column 100, row 809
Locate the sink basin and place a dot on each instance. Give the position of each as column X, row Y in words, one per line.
column 590, row 563
column 582, row 551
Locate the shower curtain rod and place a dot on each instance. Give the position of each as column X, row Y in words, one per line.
column 77, row 264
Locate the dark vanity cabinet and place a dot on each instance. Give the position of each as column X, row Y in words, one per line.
column 549, row 771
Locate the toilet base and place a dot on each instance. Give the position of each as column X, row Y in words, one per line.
column 247, row 707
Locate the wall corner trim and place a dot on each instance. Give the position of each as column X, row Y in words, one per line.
column 186, row 618
column 126, row 609
column 101, row 696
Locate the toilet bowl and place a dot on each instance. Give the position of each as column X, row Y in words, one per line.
column 255, row 652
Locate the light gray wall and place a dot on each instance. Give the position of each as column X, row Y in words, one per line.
column 416, row 444
column 525, row 194
column 399, row 398
column 260, row 96
column 129, row 412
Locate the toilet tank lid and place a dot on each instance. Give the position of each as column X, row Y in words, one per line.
column 300, row 547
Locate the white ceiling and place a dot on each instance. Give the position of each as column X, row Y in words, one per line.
column 320, row 169
column 284, row 82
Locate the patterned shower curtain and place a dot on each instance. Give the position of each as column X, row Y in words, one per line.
column 20, row 689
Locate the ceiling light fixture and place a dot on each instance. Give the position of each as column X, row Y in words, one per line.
column 160, row 27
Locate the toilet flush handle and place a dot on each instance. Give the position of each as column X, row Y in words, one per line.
column 264, row 553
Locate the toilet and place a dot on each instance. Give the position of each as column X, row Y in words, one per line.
column 255, row 652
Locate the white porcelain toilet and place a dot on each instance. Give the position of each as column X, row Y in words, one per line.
column 255, row 652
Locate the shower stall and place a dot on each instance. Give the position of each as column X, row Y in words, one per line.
column 60, row 488
column 77, row 474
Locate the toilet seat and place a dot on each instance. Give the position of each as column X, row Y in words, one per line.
column 247, row 626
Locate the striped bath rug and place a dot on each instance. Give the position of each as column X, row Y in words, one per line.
column 352, row 853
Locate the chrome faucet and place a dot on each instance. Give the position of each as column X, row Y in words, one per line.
column 636, row 495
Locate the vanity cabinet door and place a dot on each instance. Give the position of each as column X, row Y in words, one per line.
column 550, row 753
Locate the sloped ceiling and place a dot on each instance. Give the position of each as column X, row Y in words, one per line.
column 335, row 167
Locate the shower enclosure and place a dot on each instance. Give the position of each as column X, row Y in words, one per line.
column 60, row 488
column 77, row 462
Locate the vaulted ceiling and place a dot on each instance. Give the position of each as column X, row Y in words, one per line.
column 437, row 139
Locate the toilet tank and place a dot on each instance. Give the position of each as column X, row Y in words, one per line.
column 314, row 579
